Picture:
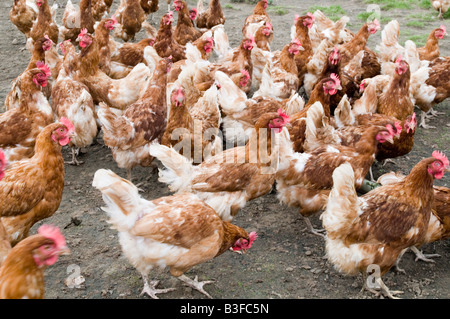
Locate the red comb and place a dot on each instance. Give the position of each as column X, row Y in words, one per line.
column 441, row 157
column 398, row 126
column 44, row 68
column 296, row 41
column 335, row 77
column 284, row 115
column 252, row 237
column 67, row 123
column 82, row 33
column 3, row 164
column 245, row 72
column 52, row 232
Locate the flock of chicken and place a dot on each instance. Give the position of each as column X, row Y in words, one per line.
column 180, row 95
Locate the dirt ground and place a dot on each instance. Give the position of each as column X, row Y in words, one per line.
column 286, row 261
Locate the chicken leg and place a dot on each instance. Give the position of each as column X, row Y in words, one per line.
column 150, row 288
column 75, row 152
column 195, row 284
column 311, row 228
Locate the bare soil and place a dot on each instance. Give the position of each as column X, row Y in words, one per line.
column 286, row 261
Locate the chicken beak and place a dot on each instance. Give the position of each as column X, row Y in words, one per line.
column 288, row 125
column 65, row 251
column 390, row 139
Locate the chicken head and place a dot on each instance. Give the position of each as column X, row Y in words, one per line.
column 64, row 132
column 441, row 32
column 49, row 253
column 334, row 57
column 439, row 166
column 332, row 85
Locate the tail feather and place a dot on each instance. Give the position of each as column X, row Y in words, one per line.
column 117, row 130
column 342, row 207
column 179, row 170
column 368, row 102
column 389, row 47
column 231, row 98
column 343, row 113
column 294, row 104
column 200, row 7
column 221, row 41
column 121, row 197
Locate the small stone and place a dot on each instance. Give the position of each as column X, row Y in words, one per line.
column 308, row 253
column 289, row 269
column 306, row 267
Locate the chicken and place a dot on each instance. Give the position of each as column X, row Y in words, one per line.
column 150, row 7
column 316, row 65
column 370, row 232
column 32, row 188
column 191, row 130
column 45, row 25
column 130, row 20
column 227, row 180
column 321, row 93
column 241, row 114
column 280, row 76
column 184, row 30
column 182, row 224
column 41, row 46
column 210, row 17
column 20, row 125
column 72, row 100
column 200, row 49
column 324, row 28
column 22, row 273
column 403, row 143
column 304, row 179
column 441, row 6
column 438, row 227
column 433, row 87
column 350, row 49
column 165, row 43
column 395, row 100
column 129, row 136
column 238, row 66
column 300, row 31
column 431, row 49
column 259, row 14
column 102, row 37
column 117, row 93
column 23, row 15
column 131, row 54
column 100, row 9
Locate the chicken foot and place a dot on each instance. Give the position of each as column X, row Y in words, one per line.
column 75, row 152
column 423, row 116
column 195, row 284
column 424, row 257
column 150, row 288
column 381, row 289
